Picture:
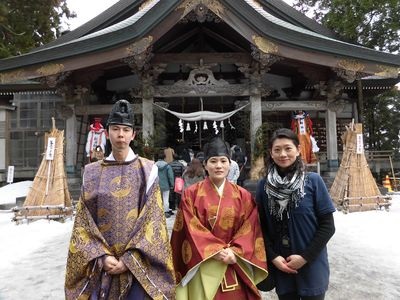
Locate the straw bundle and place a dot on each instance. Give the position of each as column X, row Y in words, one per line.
column 354, row 188
column 49, row 195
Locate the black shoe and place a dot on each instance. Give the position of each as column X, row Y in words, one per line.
column 171, row 212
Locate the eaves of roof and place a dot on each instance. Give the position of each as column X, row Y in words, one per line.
column 289, row 34
column 22, row 85
column 130, row 29
column 278, row 8
column 248, row 11
column 284, row 11
column 379, row 81
column 104, row 19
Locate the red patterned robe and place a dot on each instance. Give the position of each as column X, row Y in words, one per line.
column 302, row 126
column 120, row 214
column 207, row 223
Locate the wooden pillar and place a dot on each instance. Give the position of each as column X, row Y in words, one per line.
column 3, row 131
column 255, row 118
column 331, row 139
column 355, row 112
column 360, row 102
column 148, row 118
column 160, row 122
column 71, row 147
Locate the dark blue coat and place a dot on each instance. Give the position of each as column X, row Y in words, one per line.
column 313, row 278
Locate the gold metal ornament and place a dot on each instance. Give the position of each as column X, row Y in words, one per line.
column 387, row 71
column 214, row 5
column 50, row 69
column 140, row 46
column 350, row 65
column 265, row 45
column 8, row 77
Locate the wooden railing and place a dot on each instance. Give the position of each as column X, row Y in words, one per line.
column 384, row 155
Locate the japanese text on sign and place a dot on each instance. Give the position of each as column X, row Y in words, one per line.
column 51, row 145
column 360, row 144
column 10, row 174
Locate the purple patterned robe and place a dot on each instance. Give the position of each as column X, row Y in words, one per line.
column 119, row 214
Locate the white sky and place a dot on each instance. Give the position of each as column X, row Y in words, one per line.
column 364, row 255
column 87, row 10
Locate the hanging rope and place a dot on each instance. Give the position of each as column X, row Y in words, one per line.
column 203, row 114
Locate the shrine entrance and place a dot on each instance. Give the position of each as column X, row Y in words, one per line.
column 195, row 133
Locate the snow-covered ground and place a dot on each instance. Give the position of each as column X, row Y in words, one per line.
column 364, row 256
column 10, row 192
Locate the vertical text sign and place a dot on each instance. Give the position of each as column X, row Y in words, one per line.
column 51, row 144
column 360, row 143
column 10, row 174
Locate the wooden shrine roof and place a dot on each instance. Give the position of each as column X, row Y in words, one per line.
column 273, row 27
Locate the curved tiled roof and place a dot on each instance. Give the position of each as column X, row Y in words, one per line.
column 284, row 11
column 122, row 25
column 289, row 34
column 252, row 13
column 112, row 15
column 111, row 36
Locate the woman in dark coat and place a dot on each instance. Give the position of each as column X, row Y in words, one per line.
column 296, row 214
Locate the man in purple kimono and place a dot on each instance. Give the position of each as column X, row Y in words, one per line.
column 119, row 247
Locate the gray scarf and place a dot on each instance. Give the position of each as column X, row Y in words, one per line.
column 283, row 193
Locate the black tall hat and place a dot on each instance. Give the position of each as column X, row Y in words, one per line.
column 216, row 147
column 121, row 114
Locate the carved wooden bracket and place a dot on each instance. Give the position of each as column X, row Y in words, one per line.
column 65, row 90
column 200, row 9
column 9, row 77
column 320, row 89
column 255, row 73
column 266, row 60
column 350, row 70
column 265, row 45
column 334, row 95
column 332, row 90
column 139, row 55
column 80, row 91
column 387, row 71
column 201, row 80
column 148, row 80
column 55, row 80
column 60, row 83
column 201, row 14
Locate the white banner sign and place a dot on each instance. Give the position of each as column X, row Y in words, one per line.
column 51, row 145
column 360, row 144
column 10, row 174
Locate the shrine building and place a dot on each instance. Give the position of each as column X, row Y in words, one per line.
column 192, row 69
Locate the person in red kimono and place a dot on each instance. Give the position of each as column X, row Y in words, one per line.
column 96, row 141
column 302, row 126
column 217, row 245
